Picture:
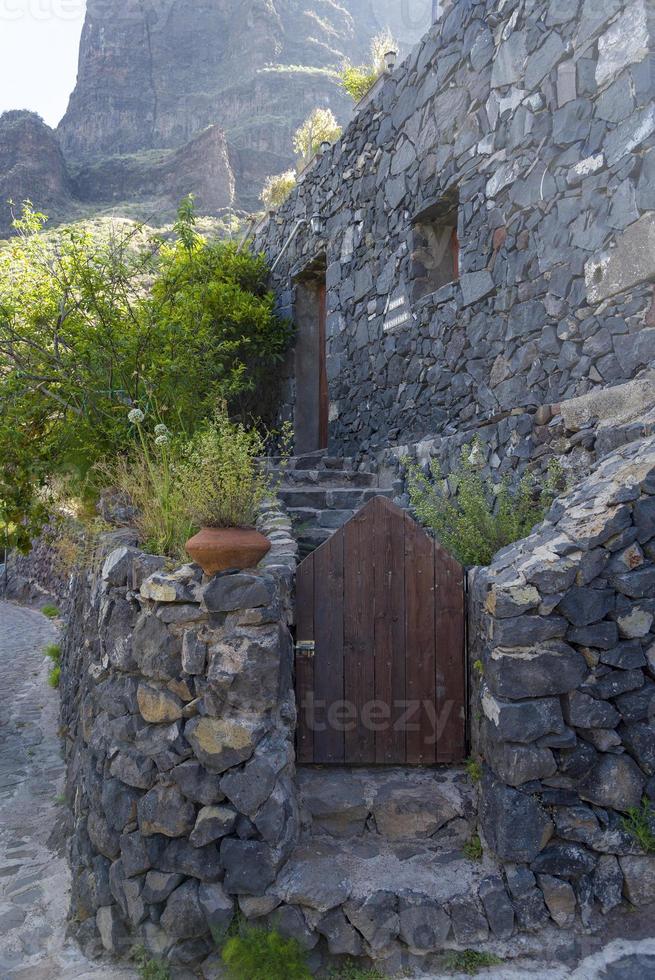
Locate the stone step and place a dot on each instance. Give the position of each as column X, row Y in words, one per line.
column 434, row 806
column 311, row 461
column 325, row 478
column 315, row 498
column 333, row 519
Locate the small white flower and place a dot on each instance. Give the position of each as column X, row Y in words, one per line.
column 161, row 430
column 136, row 416
column 162, row 440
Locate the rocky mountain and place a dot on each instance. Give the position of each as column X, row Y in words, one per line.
column 208, row 93
column 31, row 166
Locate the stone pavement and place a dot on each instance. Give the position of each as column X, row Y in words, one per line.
column 34, row 875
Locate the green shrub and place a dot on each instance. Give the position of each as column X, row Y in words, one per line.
column 50, row 611
column 474, row 769
column 92, row 324
column 358, row 80
column 470, row 961
column 352, row 971
column 53, row 652
column 257, row 954
column 277, row 189
column 640, row 823
column 473, row 848
column 178, row 486
column 480, row 517
column 54, row 677
column 149, row 968
column 320, row 127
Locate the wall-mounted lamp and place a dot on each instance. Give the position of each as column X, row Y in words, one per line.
column 324, row 147
column 390, row 59
column 316, row 224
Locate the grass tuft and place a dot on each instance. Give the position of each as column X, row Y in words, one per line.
column 50, row 611
column 473, row 848
column 470, row 961
column 639, row 823
column 474, row 769
column 53, row 652
column 149, row 968
column 54, row 677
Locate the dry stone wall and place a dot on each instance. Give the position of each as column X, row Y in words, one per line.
column 563, row 628
column 179, row 715
column 540, row 116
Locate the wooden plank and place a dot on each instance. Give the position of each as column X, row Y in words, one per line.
column 329, row 654
column 420, row 683
column 305, row 663
column 359, row 639
column 389, row 639
column 450, row 662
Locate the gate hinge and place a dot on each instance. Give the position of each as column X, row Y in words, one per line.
column 307, row 647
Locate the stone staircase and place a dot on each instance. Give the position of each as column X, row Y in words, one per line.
column 321, row 493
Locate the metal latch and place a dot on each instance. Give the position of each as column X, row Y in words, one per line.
column 306, row 647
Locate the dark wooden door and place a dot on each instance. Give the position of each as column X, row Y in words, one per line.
column 380, row 676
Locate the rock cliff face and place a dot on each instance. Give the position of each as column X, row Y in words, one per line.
column 163, row 177
column 153, row 73
column 202, row 95
column 31, row 166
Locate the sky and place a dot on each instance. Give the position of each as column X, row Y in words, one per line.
column 39, row 41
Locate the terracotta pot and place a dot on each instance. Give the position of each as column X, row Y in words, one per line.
column 218, row 549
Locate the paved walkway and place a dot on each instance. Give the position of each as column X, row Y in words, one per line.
column 34, row 878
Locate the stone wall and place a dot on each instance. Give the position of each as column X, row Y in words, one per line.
column 563, row 632
column 540, row 116
column 179, row 716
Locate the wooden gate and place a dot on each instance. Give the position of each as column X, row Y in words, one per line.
column 380, row 676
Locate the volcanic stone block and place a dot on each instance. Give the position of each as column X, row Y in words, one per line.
column 183, row 917
column 342, row 938
column 585, row 606
column 155, row 650
column 614, row 781
column 564, row 860
column 158, row 706
column 583, row 711
column 560, row 900
column 220, row 743
column 522, row 631
column 163, row 810
column 608, row 883
column 639, row 874
column 196, row 783
column 249, row 866
column 515, row 825
column 639, row 739
column 112, row 929
column 158, row 885
column 212, row 823
column 497, row 906
column 545, row 670
column 226, row 593
column 469, row 922
column 523, row 721
column 518, row 764
column 376, row 917
column 216, row 905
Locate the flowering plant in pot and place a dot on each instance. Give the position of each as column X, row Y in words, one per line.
column 225, row 484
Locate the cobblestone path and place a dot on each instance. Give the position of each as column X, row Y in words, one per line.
column 34, row 877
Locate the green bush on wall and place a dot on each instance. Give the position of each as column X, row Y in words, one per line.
column 257, row 954
column 474, row 517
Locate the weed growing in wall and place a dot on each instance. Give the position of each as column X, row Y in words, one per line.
column 640, row 823
column 258, row 954
column 473, row 516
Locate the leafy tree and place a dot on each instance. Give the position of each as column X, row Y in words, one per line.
column 320, row 127
column 277, row 189
column 93, row 325
column 360, row 79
